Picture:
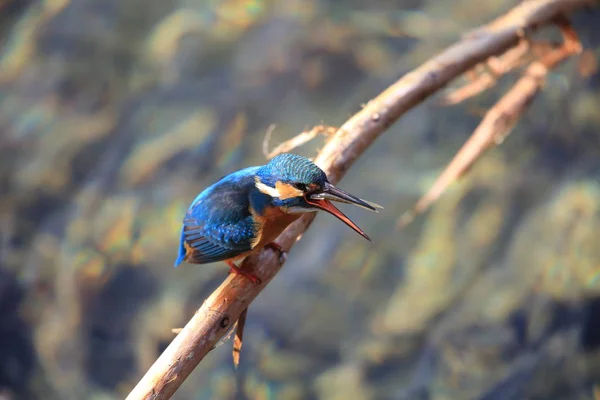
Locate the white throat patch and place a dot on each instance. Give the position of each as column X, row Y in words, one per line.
column 266, row 189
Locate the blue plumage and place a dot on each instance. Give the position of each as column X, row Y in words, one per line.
column 218, row 224
column 246, row 210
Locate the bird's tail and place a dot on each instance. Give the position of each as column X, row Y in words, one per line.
column 182, row 251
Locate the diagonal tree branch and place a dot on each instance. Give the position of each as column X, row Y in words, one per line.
column 500, row 119
column 225, row 305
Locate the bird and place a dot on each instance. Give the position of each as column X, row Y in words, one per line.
column 246, row 210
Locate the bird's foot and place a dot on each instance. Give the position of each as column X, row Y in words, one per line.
column 279, row 249
column 237, row 270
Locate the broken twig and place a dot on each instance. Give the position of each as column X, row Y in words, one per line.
column 238, row 338
column 296, row 141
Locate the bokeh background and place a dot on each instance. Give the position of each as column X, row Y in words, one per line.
column 115, row 113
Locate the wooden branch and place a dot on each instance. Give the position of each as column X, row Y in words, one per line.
column 296, row 141
column 497, row 67
column 480, row 81
column 500, row 119
column 487, row 79
column 226, row 304
column 239, row 337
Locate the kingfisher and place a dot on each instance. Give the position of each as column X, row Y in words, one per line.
column 246, row 210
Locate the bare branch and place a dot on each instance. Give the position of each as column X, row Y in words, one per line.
column 497, row 66
column 239, row 337
column 499, row 120
column 226, row 304
column 482, row 79
column 296, row 141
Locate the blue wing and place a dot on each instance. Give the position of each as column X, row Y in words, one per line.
column 219, row 225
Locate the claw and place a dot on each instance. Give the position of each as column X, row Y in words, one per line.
column 237, row 270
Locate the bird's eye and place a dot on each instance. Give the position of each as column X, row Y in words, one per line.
column 300, row 186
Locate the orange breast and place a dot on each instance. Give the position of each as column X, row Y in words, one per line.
column 270, row 225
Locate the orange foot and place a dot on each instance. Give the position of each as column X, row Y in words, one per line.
column 279, row 249
column 237, row 270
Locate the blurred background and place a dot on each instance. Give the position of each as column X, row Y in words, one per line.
column 114, row 114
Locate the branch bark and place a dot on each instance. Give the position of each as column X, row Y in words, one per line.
column 500, row 119
column 227, row 303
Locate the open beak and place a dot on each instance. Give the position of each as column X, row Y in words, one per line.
column 330, row 193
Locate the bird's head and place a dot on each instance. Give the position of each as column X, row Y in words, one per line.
column 296, row 185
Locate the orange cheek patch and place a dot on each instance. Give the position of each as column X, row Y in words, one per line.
column 287, row 191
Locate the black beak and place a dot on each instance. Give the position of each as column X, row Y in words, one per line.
column 330, row 193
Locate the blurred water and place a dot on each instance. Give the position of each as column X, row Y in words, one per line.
column 114, row 114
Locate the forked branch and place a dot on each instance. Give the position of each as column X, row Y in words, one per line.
column 501, row 118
